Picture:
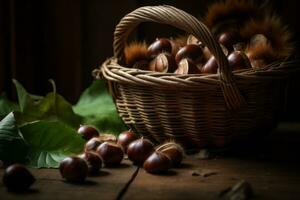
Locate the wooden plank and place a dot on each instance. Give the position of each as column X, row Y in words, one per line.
column 50, row 185
column 269, row 180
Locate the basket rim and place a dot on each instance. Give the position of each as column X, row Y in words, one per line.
column 113, row 71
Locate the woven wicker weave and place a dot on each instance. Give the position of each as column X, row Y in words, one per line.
column 195, row 110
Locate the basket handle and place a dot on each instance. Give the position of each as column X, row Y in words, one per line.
column 181, row 20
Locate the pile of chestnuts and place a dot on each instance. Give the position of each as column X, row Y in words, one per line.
column 164, row 55
column 109, row 151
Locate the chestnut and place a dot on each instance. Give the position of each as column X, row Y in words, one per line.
column 92, row 144
column 139, row 150
column 125, row 138
column 111, row 153
column 159, row 46
column 174, row 151
column 238, row 60
column 193, row 40
column 157, row 163
column 191, row 51
column 17, row 178
column 164, row 62
column 88, row 131
column 211, row 66
column 73, row 169
column 93, row 160
column 108, row 138
column 186, row 66
column 229, row 38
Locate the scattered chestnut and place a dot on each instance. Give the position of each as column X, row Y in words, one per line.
column 186, row 66
column 111, row 153
column 92, row 144
column 74, row 169
column 191, row 51
column 17, row 178
column 159, row 46
column 211, row 66
column 125, row 138
column 88, row 131
column 93, row 160
column 238, row 60
column 108, row 138
column 139, row 150
column 157, row 163
column 174, row 151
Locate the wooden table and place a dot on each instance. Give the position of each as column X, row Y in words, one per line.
column 272, row 168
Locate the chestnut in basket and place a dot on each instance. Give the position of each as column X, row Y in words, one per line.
column 88, row 131
column 74, row 169
column 186, row 66
column 211, row 66
column 157, row 162
column 93, row 160
column 190, row 51
column 238, row 60
column 229, row 38
column 164, row 62
column 139, row 150
column 17, row 178
column 111, row 153
column 160, row 45
column 174, row 151
column 125, row 138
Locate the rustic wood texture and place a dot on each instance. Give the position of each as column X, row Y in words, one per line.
column 50, row 185
column 269, row 180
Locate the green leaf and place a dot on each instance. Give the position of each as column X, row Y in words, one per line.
column 50, row 142
column 12, row 146
column 52, row 106
column 7, row 106
column 98, row 108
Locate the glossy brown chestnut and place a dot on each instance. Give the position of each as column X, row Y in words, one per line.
column 74, row 169
column 164, row 62
column 174, row 151
column 159, row 46
column 92, row 144
column 186, row 66
column 191, row 51
column 139, row 150
column 111, row 153
column 125, row 138
column 211, row 66
column 17, row 178
column 238, row 60
column 229, row 38
column 157, row 163
column 93, row 160
column 88, row 132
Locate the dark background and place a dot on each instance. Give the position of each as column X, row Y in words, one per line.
column 66, row 39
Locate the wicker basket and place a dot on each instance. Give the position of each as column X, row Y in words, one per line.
column 198, row 111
